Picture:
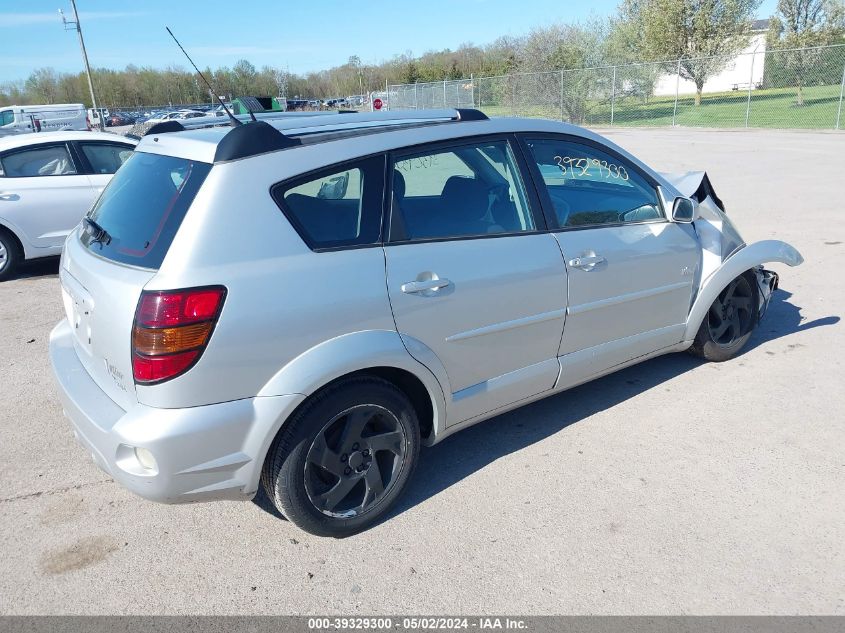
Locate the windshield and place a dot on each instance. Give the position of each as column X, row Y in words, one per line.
column 142, row 208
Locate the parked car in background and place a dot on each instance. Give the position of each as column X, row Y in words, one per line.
column 480, row 265
column 97, row 115
column 47, row 183
column 293, row 105
column 177, row 115
column 42, row 118
column 190, row 114
column 120, row 118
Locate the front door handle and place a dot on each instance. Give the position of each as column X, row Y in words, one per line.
column 413, row 287
column 587, row 263
column 9, row 197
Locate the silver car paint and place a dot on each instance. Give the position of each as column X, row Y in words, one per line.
column 295, row 319
column 494, row 351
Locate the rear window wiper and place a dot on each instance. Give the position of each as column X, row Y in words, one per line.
column 98, row 234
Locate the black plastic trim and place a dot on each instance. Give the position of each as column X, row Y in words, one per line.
column 164, row 127
column 252, row 139
column 471, row 114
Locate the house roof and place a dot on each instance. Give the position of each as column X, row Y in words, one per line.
column 760, row 25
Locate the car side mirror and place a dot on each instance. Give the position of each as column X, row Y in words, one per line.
column 684, row 210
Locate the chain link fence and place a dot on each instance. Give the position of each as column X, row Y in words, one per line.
column 788, row 88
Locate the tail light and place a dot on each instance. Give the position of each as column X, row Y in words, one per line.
column 171, row 331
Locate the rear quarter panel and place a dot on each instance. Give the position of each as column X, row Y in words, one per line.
column 283, row 299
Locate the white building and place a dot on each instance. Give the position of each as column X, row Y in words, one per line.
column 746, row 68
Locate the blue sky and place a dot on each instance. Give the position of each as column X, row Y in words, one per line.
column 301, row 35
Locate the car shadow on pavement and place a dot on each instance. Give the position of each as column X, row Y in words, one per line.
column 37, row 268
column 782, row 318
column 470, row 450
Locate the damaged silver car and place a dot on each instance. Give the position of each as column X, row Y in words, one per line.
column 302, row 303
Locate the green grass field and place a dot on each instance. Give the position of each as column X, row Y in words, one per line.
column 770, row 108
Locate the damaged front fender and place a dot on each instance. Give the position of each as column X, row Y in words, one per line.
column 746, row 258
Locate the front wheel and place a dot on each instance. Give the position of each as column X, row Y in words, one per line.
column 730, row 321
column 344, row 458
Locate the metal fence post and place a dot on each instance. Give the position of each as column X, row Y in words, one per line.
column 677, row 88
column 472, row 88
column 561, row 96
column 444, row 93
column 613, row 96
column 841, row 92
column 416, row 97
column 750, row 84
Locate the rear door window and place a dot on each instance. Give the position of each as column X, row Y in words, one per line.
column 142, row 208
column 105, row 158
column 45, row 160
column 464, row 191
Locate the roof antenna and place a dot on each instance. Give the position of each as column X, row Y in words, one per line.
column 235, row 122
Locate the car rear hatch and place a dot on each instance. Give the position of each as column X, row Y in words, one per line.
column 115, row 253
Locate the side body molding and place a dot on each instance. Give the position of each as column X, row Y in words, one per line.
column 744, row 259
column 352, row 352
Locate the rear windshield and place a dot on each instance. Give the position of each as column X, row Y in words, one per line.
column 142, row 208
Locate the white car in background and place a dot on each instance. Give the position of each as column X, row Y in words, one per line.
column 47, row 183
column 178, row 115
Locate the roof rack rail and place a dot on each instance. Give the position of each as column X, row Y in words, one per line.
column 259, row 137
column 458, row 114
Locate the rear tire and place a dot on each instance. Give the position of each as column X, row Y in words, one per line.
column 344, row 458
column 10, row 255
column 729, row 322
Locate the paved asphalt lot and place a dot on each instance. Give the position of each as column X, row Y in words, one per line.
column 670, row 487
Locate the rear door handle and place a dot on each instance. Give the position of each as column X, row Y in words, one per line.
column 413, row 287
column 9, row 197
column 587, row 263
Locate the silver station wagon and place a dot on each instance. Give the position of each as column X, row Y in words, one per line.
column 302, row 303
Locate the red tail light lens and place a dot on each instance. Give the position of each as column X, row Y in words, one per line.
column 182, row 307
column 171, row 331
column 157, row 368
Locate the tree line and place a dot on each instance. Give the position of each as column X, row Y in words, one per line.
column 701, row 33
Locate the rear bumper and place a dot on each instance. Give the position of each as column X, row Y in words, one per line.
column 201, row 453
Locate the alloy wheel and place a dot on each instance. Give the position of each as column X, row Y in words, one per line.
column 730, row 316
column 355, row 460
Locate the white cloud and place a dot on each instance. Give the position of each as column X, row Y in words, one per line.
column 10, row 20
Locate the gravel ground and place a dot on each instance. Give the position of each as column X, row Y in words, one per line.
column 670, row 487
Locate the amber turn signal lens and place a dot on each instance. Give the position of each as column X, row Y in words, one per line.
column 170, row 340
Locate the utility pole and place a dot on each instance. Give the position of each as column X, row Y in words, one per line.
column 75, row 24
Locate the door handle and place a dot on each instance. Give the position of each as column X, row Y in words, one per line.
column 413, row 287
column 9, row 197
column 587, row 263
